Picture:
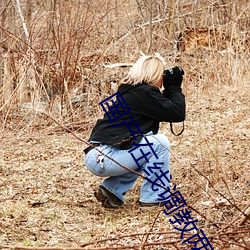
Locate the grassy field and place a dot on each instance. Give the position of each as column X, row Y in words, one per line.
column 46, row 192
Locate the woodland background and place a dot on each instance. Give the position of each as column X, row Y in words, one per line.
column 59, row 59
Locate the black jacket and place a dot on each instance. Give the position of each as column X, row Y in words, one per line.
column 148, row 106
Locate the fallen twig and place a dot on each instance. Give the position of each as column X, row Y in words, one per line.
column 130, row 236
column 246, row 217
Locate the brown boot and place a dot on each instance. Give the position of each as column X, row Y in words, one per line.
column 107, row 199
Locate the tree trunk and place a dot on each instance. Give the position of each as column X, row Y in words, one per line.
column 6, row 67
column 171, row 20
column 150, row 10
column 28, row 87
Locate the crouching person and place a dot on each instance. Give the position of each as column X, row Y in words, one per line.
column 132, row 138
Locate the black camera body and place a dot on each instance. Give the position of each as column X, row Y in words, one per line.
column 172, row 76
column 169, row 70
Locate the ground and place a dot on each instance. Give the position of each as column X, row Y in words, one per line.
column 46, row 192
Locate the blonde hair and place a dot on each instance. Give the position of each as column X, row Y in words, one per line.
column 148, row 69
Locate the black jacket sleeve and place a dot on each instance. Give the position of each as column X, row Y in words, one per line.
column 169, row 108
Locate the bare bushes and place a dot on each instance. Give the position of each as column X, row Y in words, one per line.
column 44, row 71
column 52, row 54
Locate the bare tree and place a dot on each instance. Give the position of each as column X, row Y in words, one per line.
column 27, row 86
column 171, row 19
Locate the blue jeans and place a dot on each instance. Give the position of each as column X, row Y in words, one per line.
column 120, row 180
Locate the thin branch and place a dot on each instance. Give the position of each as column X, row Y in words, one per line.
column 227, row 226
column 19, row 11
column 86, row 142
column 235, row 243
column 216, row 190
column 156, row 217
column 115, row 65
column 130, row 236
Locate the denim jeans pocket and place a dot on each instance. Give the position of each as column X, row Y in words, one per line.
column 95, row 161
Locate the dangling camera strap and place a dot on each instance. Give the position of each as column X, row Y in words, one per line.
column 172, row 130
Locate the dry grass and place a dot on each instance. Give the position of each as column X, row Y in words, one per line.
column 46, row 193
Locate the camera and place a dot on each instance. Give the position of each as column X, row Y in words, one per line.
column 171, row 70
column 173, row 76
column 168, row 73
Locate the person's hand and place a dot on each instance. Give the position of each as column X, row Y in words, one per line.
column 172, row 77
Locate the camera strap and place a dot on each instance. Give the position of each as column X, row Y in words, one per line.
column 172, row 130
